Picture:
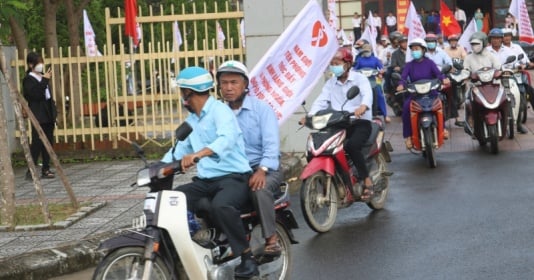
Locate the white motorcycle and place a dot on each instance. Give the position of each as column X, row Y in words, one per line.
column 163, row 244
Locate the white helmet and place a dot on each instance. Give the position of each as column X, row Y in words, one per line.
column 418, row 42
column 232, row 66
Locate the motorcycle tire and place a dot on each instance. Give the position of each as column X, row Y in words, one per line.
column 128, row 263
column 493, row 139
column 381, row 182
column 314, row 200
column 510, row 132
column 523, row 109
column 429, row 150
column 277, row 268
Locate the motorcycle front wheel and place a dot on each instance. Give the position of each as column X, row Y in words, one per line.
column 278, row 268
column 429, row 147
column 129, row 263
column 318, row 208
column 493, row 139
column 381, row 183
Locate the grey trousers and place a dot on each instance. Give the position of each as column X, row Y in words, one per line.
column 263, row 201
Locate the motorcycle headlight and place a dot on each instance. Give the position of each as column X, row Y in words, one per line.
column 486, row 76
column 320, row 122
column 423, row 88
column 143, row 177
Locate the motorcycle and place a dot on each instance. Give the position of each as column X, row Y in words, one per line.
column 371, row 75
column 396, row 100
column 426, row 117
column 168, row 242
column 329, row 180
column 488, row 108
column 458, row 79
column 518, row 74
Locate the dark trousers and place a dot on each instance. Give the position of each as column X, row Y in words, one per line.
column 37, row 147
column 357, row 33
column 228, row 195
column 358, row 135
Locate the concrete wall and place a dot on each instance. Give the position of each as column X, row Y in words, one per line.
column 9, row 52
column 264, row 22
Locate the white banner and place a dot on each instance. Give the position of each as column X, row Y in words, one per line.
column 91, row 49
column 220, row 37
column 289, row 70
column 468, row 31
column 242, row 32
column 177, row 37
column 332, row 15
column 415, row 28
column 518, row 9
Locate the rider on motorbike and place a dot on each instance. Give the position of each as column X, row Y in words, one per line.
column 436, row 54
column 502, row 52
column 368, row 60
column 334, row 95
column 217, row 144
column 454, row 50
column 262, row 145
column 421, row 67
column 398, row 60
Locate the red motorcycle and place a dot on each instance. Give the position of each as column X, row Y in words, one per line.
column 330, row 180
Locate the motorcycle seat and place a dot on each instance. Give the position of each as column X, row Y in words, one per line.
column 375, row 128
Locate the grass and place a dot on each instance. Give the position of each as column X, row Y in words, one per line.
column 31, row 214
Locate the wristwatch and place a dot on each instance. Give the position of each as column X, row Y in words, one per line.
column 265, row 169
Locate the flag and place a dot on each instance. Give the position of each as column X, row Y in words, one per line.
column 242, row 31
column 177, row 36
column 518, row 9
column 91, row 49
column 468, row 31
column 414, row 27
column 448, row 23
column 130, row 24
column 332, row 17
column 289, row 70
column 220, row 36
column 370, row 32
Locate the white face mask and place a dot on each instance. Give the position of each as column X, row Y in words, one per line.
column 39, row 68
column 477, row 48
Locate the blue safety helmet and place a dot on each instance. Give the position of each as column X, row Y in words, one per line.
column 496, row 32
column 195, row 78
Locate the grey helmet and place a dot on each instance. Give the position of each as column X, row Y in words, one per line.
column 479, row 37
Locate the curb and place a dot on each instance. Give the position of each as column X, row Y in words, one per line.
column 80, row 255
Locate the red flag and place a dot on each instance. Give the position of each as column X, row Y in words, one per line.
column 130, row 24
column 448, row 24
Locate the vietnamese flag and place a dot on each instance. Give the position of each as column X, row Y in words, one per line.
column 448, row 23
column 130, row 24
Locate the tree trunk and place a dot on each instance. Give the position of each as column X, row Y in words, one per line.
column 7, row 176
column 18, row 36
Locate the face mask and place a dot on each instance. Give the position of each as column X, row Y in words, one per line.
column 431, row 45
column 417, row 54
column 477, row 48
column 337, row 70
column 39, row 68
column 366, row 54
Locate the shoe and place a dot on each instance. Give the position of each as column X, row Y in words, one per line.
column 47, row 174
column 408, row 142
column 459, row 123
column 522, row 129
column 272, row 247
column 445, row 134
column 248, row 268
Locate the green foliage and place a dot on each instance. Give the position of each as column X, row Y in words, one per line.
column 11, row 8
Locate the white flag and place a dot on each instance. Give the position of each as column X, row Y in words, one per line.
column 372, row 32
column 468, row 31
column 332, row 16
column 139, row 34
column 289, row 70
column 91, row 49
column 242, row 31
column 220, row 36
column 177, row 37
column 415, row 28
column 518, row 9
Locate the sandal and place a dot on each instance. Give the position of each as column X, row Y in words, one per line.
column 367, row 193
column 47, row 174
column 408, row 142
column 445, row 134
column 273, row 250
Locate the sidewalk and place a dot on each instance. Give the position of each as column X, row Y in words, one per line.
column 41, row 254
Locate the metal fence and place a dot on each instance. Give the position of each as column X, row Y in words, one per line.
column 129, row 93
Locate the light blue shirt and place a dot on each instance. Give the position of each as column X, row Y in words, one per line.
column 218, row 130
column 260, row 130
column 440, row 57
column 335, row 92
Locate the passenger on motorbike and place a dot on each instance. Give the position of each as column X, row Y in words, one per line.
column 454, row 50
column 502, row 52
column 334, row 95
column 398, row 60
column 217, row 144
column 421, row 67
column 368, row 60
column 258, row 122
column 436, row 54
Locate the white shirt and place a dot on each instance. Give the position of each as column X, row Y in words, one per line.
column 460, row 15
column 357, row 22
column 502, row 54
column 334, row 93
column 517, row 50
column 391, row 20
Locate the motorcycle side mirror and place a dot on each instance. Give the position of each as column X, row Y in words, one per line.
column 520, row 57
column 446, row 68
column 510, row 59
column 183, row 131
column 353, row 92
column 458, row 65
column 396, row 76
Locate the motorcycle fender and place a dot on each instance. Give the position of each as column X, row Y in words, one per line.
column 317, row 164
column 426, row 120
column 287, row 220
column 129, row 239
column 491, row 117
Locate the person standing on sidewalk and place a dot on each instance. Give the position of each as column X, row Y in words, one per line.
column 217, row 144
column 262, row 145
column 37, row 92
column 357, row 26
